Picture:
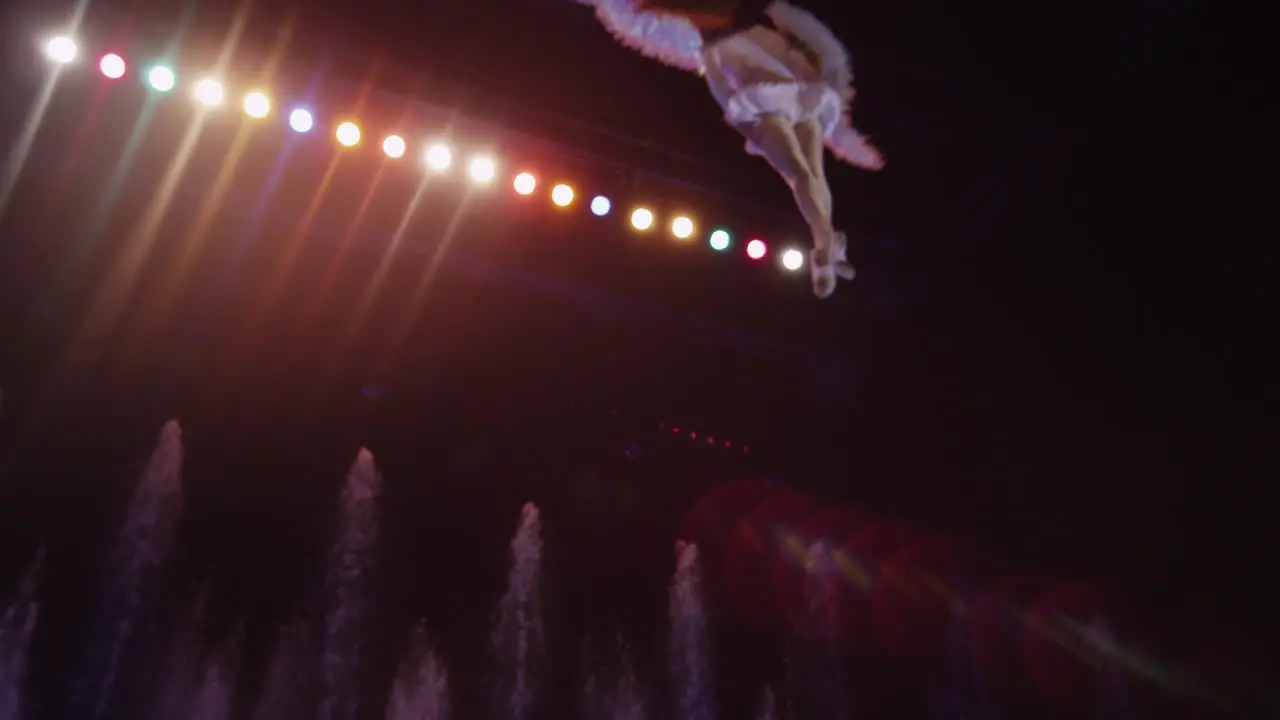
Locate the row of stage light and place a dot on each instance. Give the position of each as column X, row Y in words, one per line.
column 436, row 156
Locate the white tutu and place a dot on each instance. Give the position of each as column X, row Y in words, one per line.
column 757, row 72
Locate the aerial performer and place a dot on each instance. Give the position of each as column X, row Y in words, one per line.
column 784, row 81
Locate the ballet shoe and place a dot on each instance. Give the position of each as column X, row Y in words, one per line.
column 839, row 257
column 822, row 272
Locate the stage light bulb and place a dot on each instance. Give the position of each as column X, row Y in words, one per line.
column 162, row 78
column 562, row 195
column 256, row 105
column 793, row 259
column 112, row 66
column 720, row 240
column 61, row 49
column 756, row 249
column 642, row 219
column 526, row 183
column 601, row 206
column 209, row 92
column 682, row 227
column 393, row 146
column 438, row 157
column 482, row 170
column 301, row 121
column 348, row 134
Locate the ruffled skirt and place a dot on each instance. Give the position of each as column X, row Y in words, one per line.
column 757, row 72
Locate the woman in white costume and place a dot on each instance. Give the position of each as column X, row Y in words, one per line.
column 784, row 81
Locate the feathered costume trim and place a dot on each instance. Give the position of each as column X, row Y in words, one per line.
column 676, row 42
column 666, row 38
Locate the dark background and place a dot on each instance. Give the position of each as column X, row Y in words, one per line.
column 1055, row 348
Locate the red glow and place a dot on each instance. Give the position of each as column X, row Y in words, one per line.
column 756, row 249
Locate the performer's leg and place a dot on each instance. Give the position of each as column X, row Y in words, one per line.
column 778, row 141
column 813, row 141
column 776, row 137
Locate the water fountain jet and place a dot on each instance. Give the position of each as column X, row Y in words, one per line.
column 16, row 627
column 421, row 690
column 347, row 588
column 689, row 645
column 137, row 561
column 517, row 641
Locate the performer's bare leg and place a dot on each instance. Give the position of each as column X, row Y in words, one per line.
column 809, row 133
column 778, row 141
column 813, row 142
